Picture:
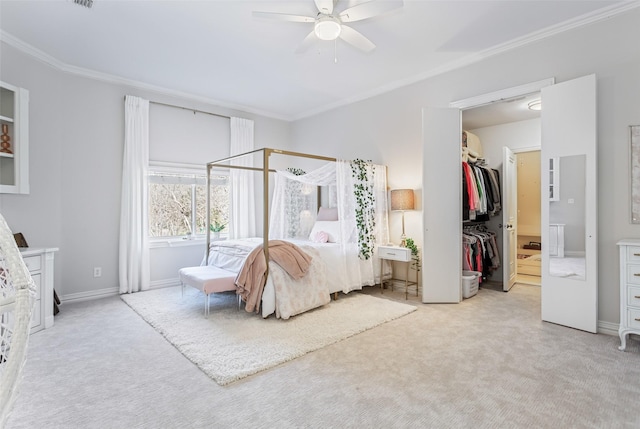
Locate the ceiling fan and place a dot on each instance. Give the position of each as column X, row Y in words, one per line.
column 328, row 25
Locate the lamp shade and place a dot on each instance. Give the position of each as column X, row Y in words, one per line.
column 402, row 199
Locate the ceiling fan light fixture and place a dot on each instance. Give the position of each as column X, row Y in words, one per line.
column 535, row 105
column 327, row 28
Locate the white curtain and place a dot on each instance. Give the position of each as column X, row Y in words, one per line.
column 134, row 249
column 369, row 269
column 293, row 204
column 286, row 214
column 242, row 219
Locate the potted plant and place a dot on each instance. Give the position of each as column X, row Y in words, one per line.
column 216, row 227
column 415, row 254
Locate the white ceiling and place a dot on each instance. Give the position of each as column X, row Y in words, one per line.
column 216, row 51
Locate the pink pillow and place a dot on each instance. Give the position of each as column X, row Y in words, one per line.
column 320, row 237
column 328, row 227
column 325, row 213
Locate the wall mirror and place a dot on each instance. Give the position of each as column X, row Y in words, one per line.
column 567, row 220
column 635, row 173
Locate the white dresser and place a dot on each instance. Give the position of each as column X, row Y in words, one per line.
column 629, row 289
column 39, row 261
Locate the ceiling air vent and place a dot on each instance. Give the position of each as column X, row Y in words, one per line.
column 85, row 3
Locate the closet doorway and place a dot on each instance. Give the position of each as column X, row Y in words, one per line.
column 568, row 130
column 529, row 238
column 509, row 134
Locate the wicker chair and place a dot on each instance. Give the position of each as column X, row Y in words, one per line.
column 17, row 292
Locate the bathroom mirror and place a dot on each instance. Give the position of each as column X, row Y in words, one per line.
column 567, row 230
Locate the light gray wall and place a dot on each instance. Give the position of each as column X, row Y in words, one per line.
column 76, row 145
column 387, row 128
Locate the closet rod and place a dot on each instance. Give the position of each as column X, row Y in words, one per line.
column 187, row 108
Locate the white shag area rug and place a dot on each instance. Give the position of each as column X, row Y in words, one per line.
column 232, row 344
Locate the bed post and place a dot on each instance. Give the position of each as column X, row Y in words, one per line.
column 207, row 226
column 265, row 209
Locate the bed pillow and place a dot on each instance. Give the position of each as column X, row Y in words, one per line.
column 326, row 213
column 325, row 232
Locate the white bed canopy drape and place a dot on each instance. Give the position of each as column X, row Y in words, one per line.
column 134, row 249
column 293, row 204
column 242, row 216
column 293, row 201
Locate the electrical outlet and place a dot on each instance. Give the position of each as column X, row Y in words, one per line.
column 97, row 271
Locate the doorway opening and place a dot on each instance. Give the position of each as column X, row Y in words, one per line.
column 529, row 241
column 510, row 123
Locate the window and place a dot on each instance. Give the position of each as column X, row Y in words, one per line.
column 177, row 204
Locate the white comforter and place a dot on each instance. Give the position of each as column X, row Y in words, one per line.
column 282, row 295
column 330, row 270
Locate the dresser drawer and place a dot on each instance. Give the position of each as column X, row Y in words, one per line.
column 633, row 318
column 633, row 274
column 32, row 263
column 633, row 254
column 399, row 254
column 37, row 281
column 633, row 296
column 36, row 314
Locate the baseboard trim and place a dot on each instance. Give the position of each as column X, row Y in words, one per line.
column 86, row 296
column 104, row 293
column 607, row 328
column 159, row 284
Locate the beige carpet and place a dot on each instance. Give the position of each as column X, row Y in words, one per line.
column 486, row 363
column 231, row 344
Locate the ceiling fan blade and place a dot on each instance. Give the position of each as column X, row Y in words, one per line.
column 325, row 6
column 284, row 17
column 306, row 43
column 369, row 9
column 356, row 39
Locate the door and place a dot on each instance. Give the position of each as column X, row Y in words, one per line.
column 509, row 218
column 442, row 205
column 570, row 283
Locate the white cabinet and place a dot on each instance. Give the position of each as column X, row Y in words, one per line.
column 629, row 289
column 39, row 262
column 14, row 139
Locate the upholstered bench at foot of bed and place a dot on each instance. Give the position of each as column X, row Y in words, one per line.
column 209, row 280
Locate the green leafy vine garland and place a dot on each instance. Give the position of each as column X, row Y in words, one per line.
column 296, row 171
column 363, row 173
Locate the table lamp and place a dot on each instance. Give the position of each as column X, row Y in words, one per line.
column 402, row 200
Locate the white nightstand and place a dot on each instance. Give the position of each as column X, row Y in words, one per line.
column 398, row 254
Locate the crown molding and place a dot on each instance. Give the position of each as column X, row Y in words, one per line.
column 49, row 60
column 580, row 21
column 577, row 22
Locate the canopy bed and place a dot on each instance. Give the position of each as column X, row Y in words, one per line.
column 316, row 244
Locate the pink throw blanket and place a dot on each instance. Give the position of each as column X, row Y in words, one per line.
column 252, row 276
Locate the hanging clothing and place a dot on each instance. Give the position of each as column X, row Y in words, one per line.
column 481, row 192
column 480, row 250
